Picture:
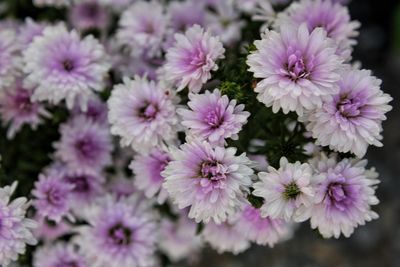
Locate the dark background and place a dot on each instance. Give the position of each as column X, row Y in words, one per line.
column 377, row 244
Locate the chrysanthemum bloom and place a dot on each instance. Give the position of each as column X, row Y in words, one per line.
column 298, row 69
column 211, row 181
column 29, row 30
column 179, row 239
column 59, row 255
column 87, row 185
column 332, row 17
column 55, row 3
column 142, row 113
column 225, row 23
column 17, row 109
column 352, row 120
column 89, row 14
column 10, row 60
column 287, row 192
column 192, row 58
column 213, row 117
column 15, row 229
column 261, row 230
column 59, row 65
column 345, row 191
column 120, row 233
column 52, row 197
column 96, row 110
column 225, row 237
column 185, row 14
column 84, row 144
column 147, row 169
column 142, row 28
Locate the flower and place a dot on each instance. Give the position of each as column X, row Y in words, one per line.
column 213, row 117
column 84, row 144
column 298, row 69
column 10, row 60
column 345, row 192
column 179, row 240
column 147, row 170
column 262, row 230
column 89, row 14
column 352, row 120
column 17, row 109
column 59, row 65
column 96, row 111
column 15, row 229
column 332, row 17
column 225, row 237
column 120, row 233
column 185, row 14
column 287, row 191
column 211, row 181
column 142, row 113
column 52, row 197
column 142, row 28
column 58, row 255
column 191, row 59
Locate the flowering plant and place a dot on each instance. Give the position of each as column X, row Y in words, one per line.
column 160, row 128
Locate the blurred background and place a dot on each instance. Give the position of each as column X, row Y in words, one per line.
column 376, row 244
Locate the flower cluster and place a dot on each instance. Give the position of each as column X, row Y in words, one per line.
column 167, row 127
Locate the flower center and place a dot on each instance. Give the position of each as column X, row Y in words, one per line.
column 149, row 112
column 90, row 10
column 213, row 119
column 296, row 68
column 291, row 191
column 120, row 235
column 337, row 196
column 53, row 196
column 212, row 170
column 86, row 147
column 349, row 108
column 23, row 101
column 80, row 183
column 68, row 65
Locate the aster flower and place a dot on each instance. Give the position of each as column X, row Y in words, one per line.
column 142, row 113
column 58, row 255
column 298, row 68
column 84, row 144
column 179, row 240
column 15, row 229
column 262, row 230
column 89, row 14
column 345, row 192
column 147, row 170
column 87, row 186
column 120, row 233
column 17, row 109
column 211, row 181
column 59, row 65
column 287, row 191
column 225, row 237
column 332, row 17
column 352, row 120
column 52, row 197
column 185, row 14
column 213, row 117
column 142, row 28
column 226, row 23
column 10, row 60
column 96, row 111
column 192, row 58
